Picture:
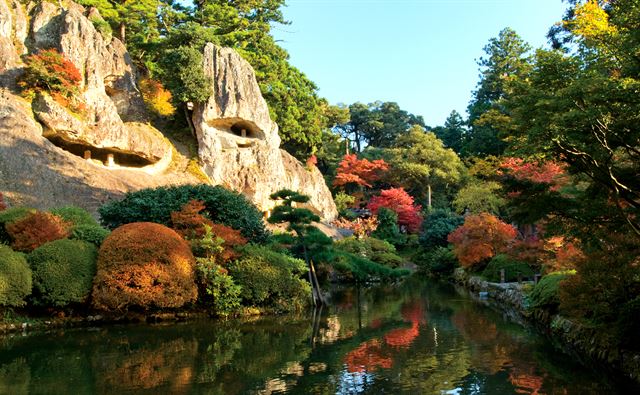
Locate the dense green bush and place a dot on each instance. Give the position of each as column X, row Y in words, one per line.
column 512, row 269
column 10, row 216
column 545, row 293
column 360, row 268
column 217, row 287
column 270, row 279
column 76, row 216
column 94, row 234
column 63, row 271
column 15, row 277
column 440, row 262
column 388, row 229
column 156, row 205
column 371, row 248
column 436, row 227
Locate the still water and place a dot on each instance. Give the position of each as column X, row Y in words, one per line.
column 412, row 338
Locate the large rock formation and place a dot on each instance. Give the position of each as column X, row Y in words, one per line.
column 43, row 144
column 239, row 143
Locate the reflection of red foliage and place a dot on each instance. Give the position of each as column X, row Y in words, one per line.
column 368, row 357
column 359, row 171
column 402, row 337
column 475, row 326
column 376, row 323
column 414, row 312
column 526, row 382
column 399, row 201
column 481, row 237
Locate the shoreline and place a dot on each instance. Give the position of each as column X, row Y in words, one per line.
column 588, row 345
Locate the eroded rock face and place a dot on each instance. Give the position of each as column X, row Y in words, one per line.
column 108, row 88
column 250, row 162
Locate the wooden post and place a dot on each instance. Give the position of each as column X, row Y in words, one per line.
column 519, row 277
column 87, row 154
column 243, row 133
column 110, row 161
column 502, row 276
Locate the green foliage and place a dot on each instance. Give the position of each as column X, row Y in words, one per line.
column 270, row 279
column 436, row 227
column 50, row 72
column 74, row 215
column 376, row 250
column 545, row 294
column 421, row 163
column 15, row 278
column 439, row 262
column 184, row 76
column 363, row 269
column 156, row 205
column 94, row 234
column 388, row 229
column 219, row 286
column 512, row 269
column 479, row 197
column 453, row 133
column 63, row 271
column 9, row 216
column 343, row 201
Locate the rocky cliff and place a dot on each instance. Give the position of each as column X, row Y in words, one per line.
column 50, row 156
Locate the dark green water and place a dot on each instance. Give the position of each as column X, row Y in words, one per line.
column 414, row 338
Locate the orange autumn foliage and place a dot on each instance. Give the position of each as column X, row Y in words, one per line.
column 232, row 239
column 35, row 230
column 360, row 172
column 144, row 265
column 188, row 222
column 157, row 97
column 3, row 205
column 480, row 238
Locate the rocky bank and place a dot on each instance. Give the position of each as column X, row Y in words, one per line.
column 51, row 156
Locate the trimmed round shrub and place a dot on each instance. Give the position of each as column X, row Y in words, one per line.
column 270, row 279
column 371, row 248
column 156, row 205
column 36, row 229
column 144, row 265
column 388, row 229
column 512, row 268
column 94, row 234
column 545, row 293
column 76, row 216
column 63, row 272
column 10, row 216
column 15, row 277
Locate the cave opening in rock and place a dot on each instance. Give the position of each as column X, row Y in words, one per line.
column 245, row 129
column 107, row 156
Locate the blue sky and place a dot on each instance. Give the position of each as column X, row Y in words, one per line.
column 419, row 53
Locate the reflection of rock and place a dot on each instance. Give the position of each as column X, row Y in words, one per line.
column 239, row 143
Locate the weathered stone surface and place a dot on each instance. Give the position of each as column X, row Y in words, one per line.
column 254, row 164
column 9, row 58
column 34, row 172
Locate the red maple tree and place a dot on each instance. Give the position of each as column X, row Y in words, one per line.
column 550, row 172
column 399, row 201
column 360, row 172
column 481, row 237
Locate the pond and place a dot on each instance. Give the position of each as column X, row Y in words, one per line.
column 417, row 337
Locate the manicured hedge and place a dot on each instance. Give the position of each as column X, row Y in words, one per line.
column 63, row 272
column 144, row 265
column 10, row 216
column 76, row 216
column 511, row 267
column 545, row 293
column 156, row 205
column 15, row 277
column 94, row 234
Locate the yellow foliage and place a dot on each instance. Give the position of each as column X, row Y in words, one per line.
column 156, row 97
column 592, row 21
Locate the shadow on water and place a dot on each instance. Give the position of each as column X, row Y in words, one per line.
column 417, row 337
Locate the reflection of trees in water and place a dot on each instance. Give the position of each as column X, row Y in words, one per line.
column 15, row 377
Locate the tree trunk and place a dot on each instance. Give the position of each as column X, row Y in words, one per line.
column 316, row 283
column 122, row 28
column 429, row 196
column 187, row 116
